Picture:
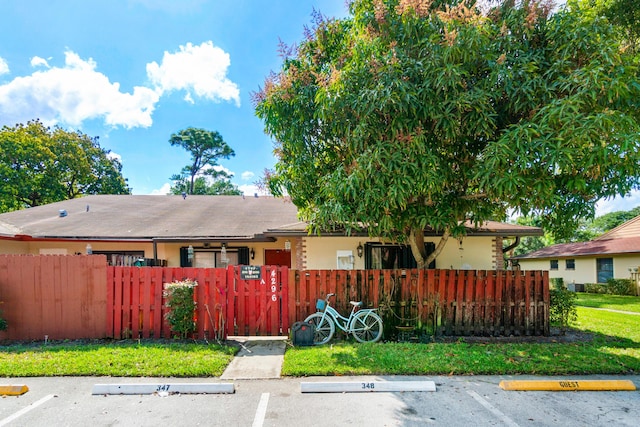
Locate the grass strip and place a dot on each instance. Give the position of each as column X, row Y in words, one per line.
column 116, row 359
column 614, row 349
column 611, row 302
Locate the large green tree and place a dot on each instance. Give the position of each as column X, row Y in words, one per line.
column 416, row 114
column 40, row 165
column 202, row 175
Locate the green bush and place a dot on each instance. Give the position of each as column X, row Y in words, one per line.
column 621, row 287
column 562, row 309
column 595, row 288
column 612, row 287
column 181, row 306
column 556, row 283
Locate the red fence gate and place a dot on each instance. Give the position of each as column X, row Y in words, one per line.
column 239, row 300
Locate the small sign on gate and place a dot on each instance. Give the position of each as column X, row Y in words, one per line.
column 250, row 272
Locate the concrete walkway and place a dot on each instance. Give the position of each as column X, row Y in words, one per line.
column 258, row 358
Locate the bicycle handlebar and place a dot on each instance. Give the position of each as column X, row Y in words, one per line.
column 329, row 296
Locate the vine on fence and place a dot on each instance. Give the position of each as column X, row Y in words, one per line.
column 181, row 306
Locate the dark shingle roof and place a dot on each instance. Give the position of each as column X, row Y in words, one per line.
column 128, row 217
column 143, row 217
column 595, row 247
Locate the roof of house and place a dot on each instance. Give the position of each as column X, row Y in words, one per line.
column 624, row 239
column 625, row 245
column 488, row 228
column 630, row 228
column 127, row 217
column 166, row 218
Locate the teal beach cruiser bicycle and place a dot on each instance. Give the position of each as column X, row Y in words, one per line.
column 364, row 324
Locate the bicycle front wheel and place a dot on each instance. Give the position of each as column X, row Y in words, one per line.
column 324, row 328
column 366, row 326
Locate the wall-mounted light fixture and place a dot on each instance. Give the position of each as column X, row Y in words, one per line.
column 252, row 253
column 190, row 253
column 287, row 245
column 223, row 254
column 360, row 250
column 88, row 249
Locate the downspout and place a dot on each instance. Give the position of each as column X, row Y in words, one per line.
column 511, row 246
column 155, row 251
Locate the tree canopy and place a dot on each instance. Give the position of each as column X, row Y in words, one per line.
column 40, row 165
column 203, row 175
column 416, row 114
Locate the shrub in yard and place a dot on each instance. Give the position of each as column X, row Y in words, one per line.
column 595, row 288
column 182, row 307
column 612, row 287
column 620, row 287
column 562, row 308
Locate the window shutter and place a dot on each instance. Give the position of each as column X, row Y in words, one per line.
column 367, row 256
column 429, row 248
column 184, row 257
column 243, row 256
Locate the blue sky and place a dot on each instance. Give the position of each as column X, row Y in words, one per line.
column 135, row 71
column 132, row 72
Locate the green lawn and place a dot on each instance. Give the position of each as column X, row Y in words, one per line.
column 127, row 359
column 613, row 349
column 613, row 302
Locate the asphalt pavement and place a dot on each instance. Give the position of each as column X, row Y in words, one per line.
column 261, row 397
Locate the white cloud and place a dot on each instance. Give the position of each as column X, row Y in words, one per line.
column 251, row 189
column 198, row 70
column 247, row 175
column 111, row 155
column 4, row 67
column 164, row 190
column 72, row 94
column 36, row 61
column 618, row 203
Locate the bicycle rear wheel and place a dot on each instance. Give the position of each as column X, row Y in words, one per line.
column 366, row 326
column 324, row 328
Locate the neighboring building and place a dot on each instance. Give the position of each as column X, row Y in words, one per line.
column 215, row 231
column 615, row 254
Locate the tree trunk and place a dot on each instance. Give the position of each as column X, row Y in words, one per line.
column 416, row 241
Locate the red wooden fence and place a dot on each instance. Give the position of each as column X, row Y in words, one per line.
column 53, row 296
column 226, row 304
column 136, row 305
column 437, row 302
column 69, row 297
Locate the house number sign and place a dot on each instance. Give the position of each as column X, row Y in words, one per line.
column 250, row 272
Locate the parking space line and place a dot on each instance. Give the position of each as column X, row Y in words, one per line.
column 261, row 412
column 495, row 411
column 23, row 411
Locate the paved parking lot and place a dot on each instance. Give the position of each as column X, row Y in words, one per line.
column 463, row 401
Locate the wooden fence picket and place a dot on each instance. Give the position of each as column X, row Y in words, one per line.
column 80, row 297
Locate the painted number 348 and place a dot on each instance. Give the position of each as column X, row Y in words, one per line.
column 368, row 386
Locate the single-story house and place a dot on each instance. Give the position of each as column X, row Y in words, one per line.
column 215, row 231
column 615, row 254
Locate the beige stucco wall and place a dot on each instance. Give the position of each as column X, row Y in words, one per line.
column 585, row 271
column 165, row 251
column 477, row 252
column 311, row 252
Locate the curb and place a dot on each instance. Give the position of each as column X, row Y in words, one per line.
column 182, row 388
column 13, row 390
column 366, row 386
column 568, row 385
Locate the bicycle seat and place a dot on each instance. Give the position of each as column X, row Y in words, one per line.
column 356, row 303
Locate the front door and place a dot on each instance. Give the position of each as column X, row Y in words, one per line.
column 277, row 257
